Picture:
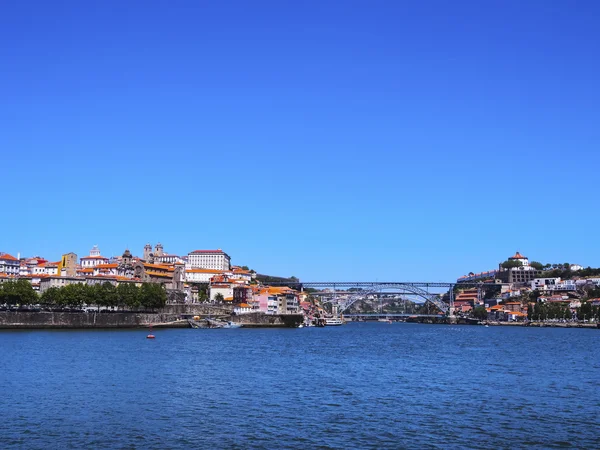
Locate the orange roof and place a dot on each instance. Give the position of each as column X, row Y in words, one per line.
column 158, row 274
column 107, row 266
column 8, row 257
column 204, row 271
column 93, row 257
column 159, row 266
column 518, row 256
column 228, row 299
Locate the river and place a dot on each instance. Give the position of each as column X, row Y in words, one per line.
column 362, row 385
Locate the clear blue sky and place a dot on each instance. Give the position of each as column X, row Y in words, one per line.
column 322, row 139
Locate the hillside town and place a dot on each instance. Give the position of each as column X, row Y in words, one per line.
column 201, row 276
column 520, row 290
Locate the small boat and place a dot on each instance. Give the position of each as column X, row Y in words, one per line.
column 150, row 336
column 232, row 325
column 333, row 321
column 386, row 320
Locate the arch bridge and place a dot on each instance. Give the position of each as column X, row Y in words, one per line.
column 353, row 291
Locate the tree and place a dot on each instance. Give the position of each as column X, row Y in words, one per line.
column 52, row 297
column 219, row 298
column 75, row 295
column 18, row 292
column 536, row 265
column 534, row 295
column 153, row 295
column 511, row 263
column 480, row 313
column 129, row 295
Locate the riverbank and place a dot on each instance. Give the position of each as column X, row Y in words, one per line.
column 97, row 320
column 544, row 324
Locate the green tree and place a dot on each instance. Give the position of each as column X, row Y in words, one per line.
column 153, row 295
column 108, row 294
column 19, row 292
column 536, row 265
column 75, row 295
column 219, row 298
column 52, row 297
column 129, row 295
column 511, row 263
column 480, row 313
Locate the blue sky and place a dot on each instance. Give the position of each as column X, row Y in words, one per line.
column 321, row 139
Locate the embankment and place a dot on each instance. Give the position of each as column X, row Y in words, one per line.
column 74, row 320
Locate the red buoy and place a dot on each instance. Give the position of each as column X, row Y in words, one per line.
column 150, row 336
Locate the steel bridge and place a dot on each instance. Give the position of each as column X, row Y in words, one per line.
column 362, row 289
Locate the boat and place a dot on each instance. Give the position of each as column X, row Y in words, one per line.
column 386, row 320
column 333, row 321
column 231, row 325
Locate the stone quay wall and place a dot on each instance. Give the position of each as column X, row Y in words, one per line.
column 74, row 320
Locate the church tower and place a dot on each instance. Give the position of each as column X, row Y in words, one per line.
column 147, row 252
column 158, row 250
column 127, row 258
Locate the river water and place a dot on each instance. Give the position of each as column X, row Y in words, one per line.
column 362, row 385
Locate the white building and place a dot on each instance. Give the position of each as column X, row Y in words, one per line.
column 200, row 275
column 167, row 258
column 49, row 282
column 225, row 289
column 209, row 259
column 9, row 265
column 544, row 283
column 522, row 259
column 94, row 259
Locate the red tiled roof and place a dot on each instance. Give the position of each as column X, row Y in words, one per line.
column 8, row 257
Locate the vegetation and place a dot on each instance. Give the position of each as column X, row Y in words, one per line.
column 219, row 298
column 291, row 282
column 480, row 313
column 536, row 265
column 17, row 292
column 567, row 273
column 126, row 295
column 511, row 263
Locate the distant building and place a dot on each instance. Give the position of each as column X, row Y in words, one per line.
column 209, row 259
column 94, row 259
column 55, row 281
column 9, row 265
column 68, row 265
column 525, row 273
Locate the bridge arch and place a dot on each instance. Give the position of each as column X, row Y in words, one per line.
column 407, row 288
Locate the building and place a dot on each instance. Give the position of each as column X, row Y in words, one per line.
column 9, row 265
column 209, row 259
column 58, row 282
column 93, row 259
column 524, row 273
column 68, row 265
column 171, row 276
column 201, row 275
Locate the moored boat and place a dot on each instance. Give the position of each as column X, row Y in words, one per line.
column 333, row 321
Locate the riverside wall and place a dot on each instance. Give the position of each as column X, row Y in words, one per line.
column 74, row 320
column 262, row 320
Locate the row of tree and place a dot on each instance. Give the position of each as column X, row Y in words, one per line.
column 543, row 311
column 125, row 295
